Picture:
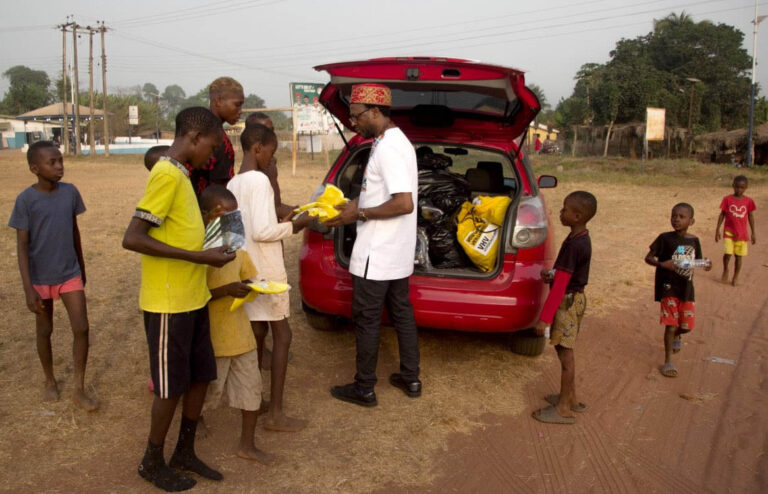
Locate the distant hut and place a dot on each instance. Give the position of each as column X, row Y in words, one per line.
column 731, row 146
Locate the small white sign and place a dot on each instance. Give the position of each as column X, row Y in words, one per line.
column 133, row 115
column 654, row 130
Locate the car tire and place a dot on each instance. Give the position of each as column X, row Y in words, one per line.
column 527, row 343
column 320, row 321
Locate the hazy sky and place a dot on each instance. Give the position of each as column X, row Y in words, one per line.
column 266, row 44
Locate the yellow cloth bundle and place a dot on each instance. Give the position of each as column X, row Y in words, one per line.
column 324, row 208
column 266, row 287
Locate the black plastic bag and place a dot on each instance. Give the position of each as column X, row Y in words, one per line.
column 444, row 249
column 447, row 191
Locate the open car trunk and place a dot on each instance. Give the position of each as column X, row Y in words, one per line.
column 448, row 176
column 456, row 100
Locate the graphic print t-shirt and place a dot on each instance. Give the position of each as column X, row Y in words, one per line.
column 736, row 211
column 677, row 283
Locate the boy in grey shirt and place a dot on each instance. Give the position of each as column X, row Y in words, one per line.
column 51, row 262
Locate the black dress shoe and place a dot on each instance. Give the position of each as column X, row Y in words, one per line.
column 353, row 393
column 410, row 388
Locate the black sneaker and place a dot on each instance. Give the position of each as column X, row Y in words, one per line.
column 191, row 463
column 165, row 478
column 353, row 393
column 410, row 388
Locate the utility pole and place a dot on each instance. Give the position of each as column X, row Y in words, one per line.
column 693, row 82
column 104, row 90
column 750, row 152
column 76, row 99
column 64, row 113
column 157, row 118
column 90, row 94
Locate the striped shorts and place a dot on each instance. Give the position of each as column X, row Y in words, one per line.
column 180, row 350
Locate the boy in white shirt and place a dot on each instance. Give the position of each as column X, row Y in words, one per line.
column 263, row 242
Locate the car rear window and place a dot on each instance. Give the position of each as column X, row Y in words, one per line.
column 492, row 100
column 455, row 100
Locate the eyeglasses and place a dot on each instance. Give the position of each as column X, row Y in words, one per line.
column 355, row 117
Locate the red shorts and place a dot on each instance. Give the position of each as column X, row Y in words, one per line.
column 54, row 291
column 675, row 312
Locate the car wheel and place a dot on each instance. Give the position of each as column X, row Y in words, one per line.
column 527, row 343
column 320, row 321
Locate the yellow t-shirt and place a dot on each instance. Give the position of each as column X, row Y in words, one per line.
column 171, row 285
column 231, row 332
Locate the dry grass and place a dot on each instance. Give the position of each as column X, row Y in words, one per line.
column 654, row 172
column 55, row 447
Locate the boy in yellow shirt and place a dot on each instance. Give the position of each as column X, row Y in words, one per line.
column 234, row 345
column 168, row 231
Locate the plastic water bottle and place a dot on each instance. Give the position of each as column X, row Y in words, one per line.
column 692, row 263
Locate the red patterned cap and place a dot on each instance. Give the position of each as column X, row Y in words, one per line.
column 371, row 94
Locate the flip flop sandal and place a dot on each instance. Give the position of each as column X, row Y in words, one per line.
column 555, row 399
column 668, row 370
column 677, row 344
column 549, row 415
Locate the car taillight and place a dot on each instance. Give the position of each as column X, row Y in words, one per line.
column 530, row 223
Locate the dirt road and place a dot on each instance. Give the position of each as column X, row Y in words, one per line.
column 704, row 431
column 470, row 432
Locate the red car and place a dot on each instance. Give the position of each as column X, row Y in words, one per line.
column 466, row 120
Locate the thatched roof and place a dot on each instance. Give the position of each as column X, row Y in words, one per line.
column 732, row 139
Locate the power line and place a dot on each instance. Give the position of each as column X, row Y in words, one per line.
column 420, row 43
column 193, row 13
column 199, row 55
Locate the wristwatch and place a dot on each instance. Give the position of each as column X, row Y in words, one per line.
column 361, row 216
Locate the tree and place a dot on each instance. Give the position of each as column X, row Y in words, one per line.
column 253, row 101
column 149, row 91
column 540, row 95
column 655, row 70
column 28, row 89
column 198, row 99
column 173, row 97
column 56, row 92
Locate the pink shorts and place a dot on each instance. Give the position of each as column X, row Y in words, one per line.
column 55, row 291
column 675, row 312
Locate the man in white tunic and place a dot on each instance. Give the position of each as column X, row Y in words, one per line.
column 382, row 257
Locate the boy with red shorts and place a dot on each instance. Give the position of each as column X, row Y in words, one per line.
column 674, row 285
column 51, row 262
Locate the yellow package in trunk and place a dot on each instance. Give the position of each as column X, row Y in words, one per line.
column 479, row 229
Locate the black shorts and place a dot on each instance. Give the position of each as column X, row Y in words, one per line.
column 180, row 350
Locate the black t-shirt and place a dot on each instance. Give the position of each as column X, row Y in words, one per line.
column 219, row 169
column 677, row 283
column 573, row 258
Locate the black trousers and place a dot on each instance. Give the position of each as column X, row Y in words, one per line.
column 368, row 301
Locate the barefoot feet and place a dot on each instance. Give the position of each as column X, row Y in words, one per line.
column 253, row 453
column 283, row 423
column 51, row 391
column 84, row 401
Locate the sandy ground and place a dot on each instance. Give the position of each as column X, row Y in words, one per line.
column 471, row 431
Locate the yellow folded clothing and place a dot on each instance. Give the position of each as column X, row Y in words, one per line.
column 266, row 287
column 321, row 210
column 324, row 208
